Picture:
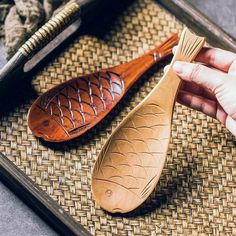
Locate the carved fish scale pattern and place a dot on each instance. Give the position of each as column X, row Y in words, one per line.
column 133, row 158
column 74, row 105
column 131, row 153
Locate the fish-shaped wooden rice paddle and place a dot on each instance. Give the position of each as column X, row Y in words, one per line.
column 131, row 161
column 75, row 106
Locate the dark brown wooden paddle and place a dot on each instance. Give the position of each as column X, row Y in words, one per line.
column 75, row 106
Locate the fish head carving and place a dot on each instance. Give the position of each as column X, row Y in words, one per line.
column 46, row 124
column 71, row 108
column 117, row 198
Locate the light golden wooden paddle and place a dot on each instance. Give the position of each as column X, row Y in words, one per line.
column 130, row 163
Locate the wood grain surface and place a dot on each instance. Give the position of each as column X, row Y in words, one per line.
column 131, row 161
column 73, row 107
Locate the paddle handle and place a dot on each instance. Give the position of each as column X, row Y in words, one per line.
column 188, row 47
column 132, row 70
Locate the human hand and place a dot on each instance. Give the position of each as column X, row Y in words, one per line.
column 210, row 88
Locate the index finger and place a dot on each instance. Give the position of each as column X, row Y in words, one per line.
column 216, row 57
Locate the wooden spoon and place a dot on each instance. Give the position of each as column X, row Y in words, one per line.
column 75, row 106
column 131, row 161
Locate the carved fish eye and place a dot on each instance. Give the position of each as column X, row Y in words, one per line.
column 46, row 123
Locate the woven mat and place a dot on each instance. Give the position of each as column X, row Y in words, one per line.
column 197, row 191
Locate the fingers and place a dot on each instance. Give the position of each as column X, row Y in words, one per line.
column 166, row 68
column 207, row 106
column 218, row 58
column 199, row 74
column 198, row 103
column 197, row 90
column 231, row 125
column 232, row 69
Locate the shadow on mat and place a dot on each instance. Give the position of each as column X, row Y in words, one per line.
column 170, row 192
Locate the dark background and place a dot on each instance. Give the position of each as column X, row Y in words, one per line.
column 15, row 217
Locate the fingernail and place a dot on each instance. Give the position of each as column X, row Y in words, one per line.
column 174, row 49
column 166, row 68
column 178, row 67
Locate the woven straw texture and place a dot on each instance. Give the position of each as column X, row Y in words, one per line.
column 197, row 191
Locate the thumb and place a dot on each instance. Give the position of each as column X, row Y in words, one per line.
column 199, row 74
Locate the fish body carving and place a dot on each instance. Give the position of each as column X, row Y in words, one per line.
column 72, row 107
column 131, row 161
column 75, row 106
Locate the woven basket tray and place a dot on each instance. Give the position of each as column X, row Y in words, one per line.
column 196, row 194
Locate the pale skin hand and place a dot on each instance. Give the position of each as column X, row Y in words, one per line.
column 210, row 88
